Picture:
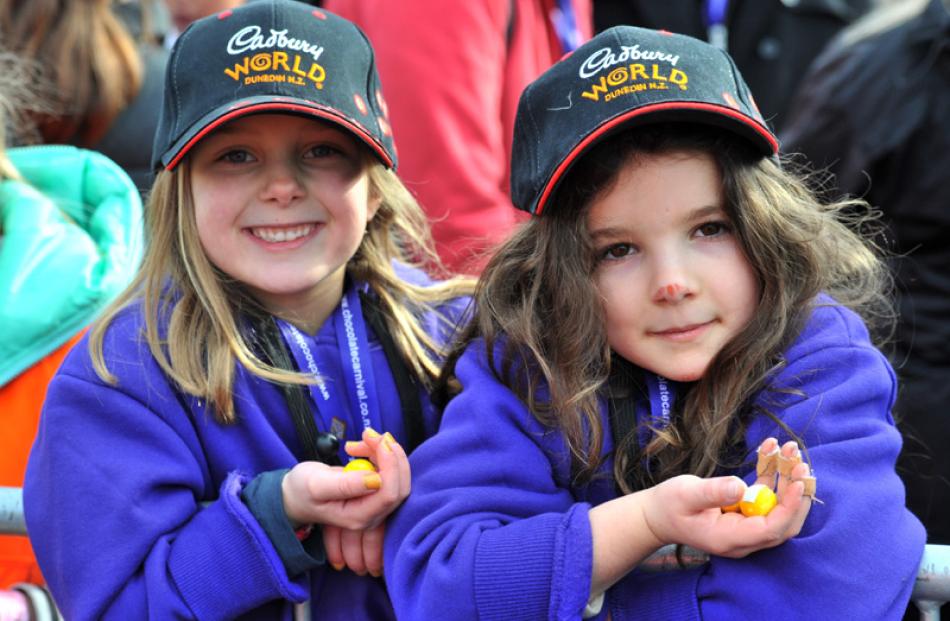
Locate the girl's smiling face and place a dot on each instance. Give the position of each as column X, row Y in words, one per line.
column 674, row 281
column 281, row 205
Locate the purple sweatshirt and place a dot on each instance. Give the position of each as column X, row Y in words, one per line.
column 118, row 474
column 493, row 528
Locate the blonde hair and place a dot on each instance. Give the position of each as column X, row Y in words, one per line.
column 202, row 305
column 89, row 57
column 538, row 299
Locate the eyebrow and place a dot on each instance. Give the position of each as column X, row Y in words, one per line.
column 694, row 215
column 704, row 212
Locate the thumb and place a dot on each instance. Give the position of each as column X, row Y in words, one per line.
column 721, row 491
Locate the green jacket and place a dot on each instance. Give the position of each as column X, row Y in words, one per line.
column 70, row 241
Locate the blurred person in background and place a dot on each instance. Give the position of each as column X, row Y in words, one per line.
column 876, row 113
column 180, row 13
column 106, row 85
column 453, row 72
column 70, row 240
column 772, row 42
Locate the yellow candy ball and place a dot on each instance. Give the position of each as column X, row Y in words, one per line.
column 757, row 500
column 358, row 464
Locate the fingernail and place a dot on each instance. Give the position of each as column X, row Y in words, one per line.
column 734, row 490
column 375, row 573
column 372, row 432
column 338, row 566
column 350, row 445
column 388, row 441
column 372, row 481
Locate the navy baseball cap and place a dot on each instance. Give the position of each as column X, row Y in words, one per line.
column 624, row 77
column 271, row 56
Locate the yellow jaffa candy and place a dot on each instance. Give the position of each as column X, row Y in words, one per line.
column 358, row 464
column 757, row 500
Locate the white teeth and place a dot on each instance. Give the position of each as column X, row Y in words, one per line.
column 275, row 235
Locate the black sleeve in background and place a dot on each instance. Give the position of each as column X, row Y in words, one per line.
column 820, row 123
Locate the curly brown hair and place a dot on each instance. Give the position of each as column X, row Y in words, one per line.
column 537, row 302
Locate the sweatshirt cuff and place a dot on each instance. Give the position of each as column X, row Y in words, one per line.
column 226, row 536
column 264, row 498
column 537, row 568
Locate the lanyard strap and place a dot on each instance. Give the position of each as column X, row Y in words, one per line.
column 625, row 402
column 324, row 446
column 322, row 392
column 359, row 396
column 661, row 399
column 717, row 31
column 410, row 397
column 353, row 343
column 268, row 336
column 565, row 25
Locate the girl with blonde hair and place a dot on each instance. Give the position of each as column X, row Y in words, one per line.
column 190, row 456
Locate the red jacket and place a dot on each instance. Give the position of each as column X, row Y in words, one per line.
column 452, row 73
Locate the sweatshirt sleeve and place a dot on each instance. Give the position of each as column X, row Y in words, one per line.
column 113, row 503
column 858, row 553
column 489, row 530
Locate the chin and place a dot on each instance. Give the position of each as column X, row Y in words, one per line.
column 683, row 377
column 689, row 373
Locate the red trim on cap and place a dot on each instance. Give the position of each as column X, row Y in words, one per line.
column 323, row 114
column 319, row 14
column 577, row 150
column 225, row 14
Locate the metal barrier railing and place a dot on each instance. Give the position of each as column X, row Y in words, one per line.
column 11, row 511
column 931, row 589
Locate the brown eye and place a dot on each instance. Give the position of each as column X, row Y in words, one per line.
column 237, row 156
column 711, row 229
column 323, row 150
column 617, row 251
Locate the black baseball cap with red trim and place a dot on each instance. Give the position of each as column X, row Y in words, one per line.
column 271, row 56
column 624, row 77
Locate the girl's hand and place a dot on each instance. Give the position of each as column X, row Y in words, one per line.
column 315, row 493
column 360, row 550
column 686, row 510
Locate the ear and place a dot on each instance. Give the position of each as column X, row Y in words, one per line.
column 372, row 205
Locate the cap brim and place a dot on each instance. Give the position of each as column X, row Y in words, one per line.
column 704, row 113
column 256, row 105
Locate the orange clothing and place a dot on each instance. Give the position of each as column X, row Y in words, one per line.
column 20, row 404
